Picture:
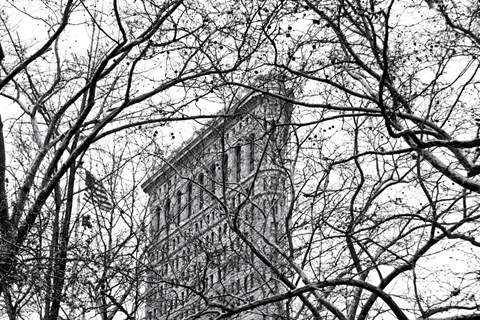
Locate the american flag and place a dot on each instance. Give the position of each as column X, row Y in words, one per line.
column 96, row 192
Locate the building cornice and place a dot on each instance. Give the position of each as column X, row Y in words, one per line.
column 244, row 105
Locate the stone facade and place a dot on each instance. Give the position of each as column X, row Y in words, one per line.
column 217, row 209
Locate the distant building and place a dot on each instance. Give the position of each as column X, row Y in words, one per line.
column 219, row 195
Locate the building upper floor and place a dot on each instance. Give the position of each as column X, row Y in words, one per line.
column 236, row 158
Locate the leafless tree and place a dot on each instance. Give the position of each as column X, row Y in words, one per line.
column 73, row 74
column 383, row 186
column 381, row 174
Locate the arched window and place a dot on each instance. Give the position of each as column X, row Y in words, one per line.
column 201, row 181
column 238, row 162
column 189, row 199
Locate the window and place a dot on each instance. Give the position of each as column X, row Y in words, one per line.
column 235, row 263
column 158, row 214
column 225, row 166
column 237, row 286
column 274, row 183
column 179, row 206
column 213, row 173
column 189, row 200
column 167, row 212
column 238, row 162
column 250, row 214
column 200, row 190
column 275, row 208
column 251, row 154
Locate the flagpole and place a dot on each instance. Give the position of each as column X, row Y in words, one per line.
column 79, row 190
column 78, row 208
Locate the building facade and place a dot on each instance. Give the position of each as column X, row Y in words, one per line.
column 217, row 214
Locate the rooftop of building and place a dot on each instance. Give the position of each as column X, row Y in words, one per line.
column 243, row 103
